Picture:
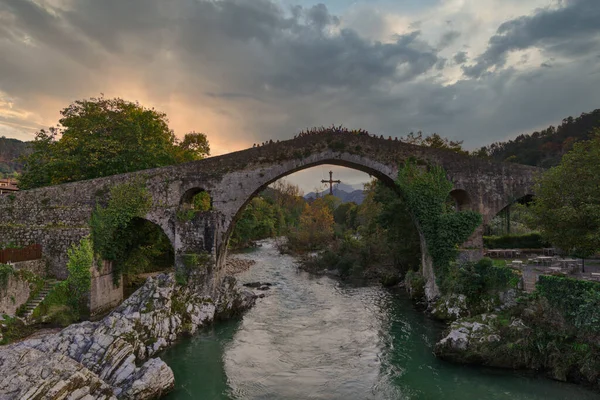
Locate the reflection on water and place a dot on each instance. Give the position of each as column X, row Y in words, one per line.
column 315, row 338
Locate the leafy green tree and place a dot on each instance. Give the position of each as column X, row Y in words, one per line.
column 100, row 137
column 566, row 206
column 345, row 215
column 259, row 220
column 194, row 146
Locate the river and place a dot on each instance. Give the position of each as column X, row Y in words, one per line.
column 316, row 338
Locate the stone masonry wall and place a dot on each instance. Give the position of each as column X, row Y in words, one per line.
column 14, row 295
column 58, row 216
column 38, row 267
column 104, row 294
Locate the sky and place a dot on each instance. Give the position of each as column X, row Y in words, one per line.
column 246, row 71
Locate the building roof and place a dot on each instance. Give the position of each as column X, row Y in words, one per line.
column 8, row 185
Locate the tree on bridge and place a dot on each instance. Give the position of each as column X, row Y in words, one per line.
column 101, row 137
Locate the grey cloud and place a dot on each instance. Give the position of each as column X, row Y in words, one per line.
column 274, row 72
column 460, row 57
column 571, row 30
column 319, row 16
column 448, row 38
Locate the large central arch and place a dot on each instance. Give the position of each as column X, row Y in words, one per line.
column 242, row 187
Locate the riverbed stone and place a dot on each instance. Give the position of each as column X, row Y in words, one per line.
column 112, row 358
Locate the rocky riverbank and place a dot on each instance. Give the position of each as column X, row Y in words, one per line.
column 113, row 358
column 531, row 335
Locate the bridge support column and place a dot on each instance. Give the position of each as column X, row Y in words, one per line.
column 196, row 250
column 472, row 249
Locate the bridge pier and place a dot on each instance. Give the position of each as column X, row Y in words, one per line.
column 472, row 249
column 197, row 257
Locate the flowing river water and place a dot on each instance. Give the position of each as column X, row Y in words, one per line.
column 316, row 338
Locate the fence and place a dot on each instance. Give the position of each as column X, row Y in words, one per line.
column 32, row 252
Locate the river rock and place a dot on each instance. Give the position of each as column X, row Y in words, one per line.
column 463, row 338
column 112, row 358
column 450, row 307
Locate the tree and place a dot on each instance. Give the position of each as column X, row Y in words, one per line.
column 315, row 229
column 101, row 137
column 194, row 146
column 566, row 206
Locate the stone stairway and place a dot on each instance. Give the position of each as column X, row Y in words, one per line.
column 529, row 280
column 33, row 303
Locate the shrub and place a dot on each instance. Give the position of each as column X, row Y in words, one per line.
column 79, row 281
column 527, row 241
column 479, row 280
column 415, row 284
column 577, row 300
column 201, row 201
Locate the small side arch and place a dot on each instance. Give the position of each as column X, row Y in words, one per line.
column 461, row 198
column 197, row 199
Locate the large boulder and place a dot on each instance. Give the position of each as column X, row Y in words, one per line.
column 114, row 355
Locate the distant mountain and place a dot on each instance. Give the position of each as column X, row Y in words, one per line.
column 346, row 193
column 545, row 148
column 10, row 151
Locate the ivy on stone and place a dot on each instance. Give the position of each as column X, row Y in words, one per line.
column 426, row 190
column 110, row 236
column 6, row 271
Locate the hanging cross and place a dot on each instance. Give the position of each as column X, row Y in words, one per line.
column 331, row 182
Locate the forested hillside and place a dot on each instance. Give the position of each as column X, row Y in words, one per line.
column 545, row 148
column 10, row 150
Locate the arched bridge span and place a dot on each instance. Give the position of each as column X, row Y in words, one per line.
column 58, row 216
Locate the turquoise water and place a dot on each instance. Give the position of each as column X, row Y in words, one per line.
column 315, row 338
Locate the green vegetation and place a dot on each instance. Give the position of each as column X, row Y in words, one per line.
column 567, row 201
column 274, row 212
column 79, row 281
column 192, row 263
column 201, row 202
column 479, row 281
column 6, row 271
column 10, row 151
column 578, row 301
column 14, row 329
column 545, row 148
column 112, row 236
column 101, row 137
column 374, row 239
column 315, row 227
column 527, row 241
column 67, row 302
column 434, row 141
column 426, row 192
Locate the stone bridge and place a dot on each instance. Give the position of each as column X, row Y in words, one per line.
column 58, row 216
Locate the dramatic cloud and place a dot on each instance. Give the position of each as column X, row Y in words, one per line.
column 570, row 31
column 246, row 71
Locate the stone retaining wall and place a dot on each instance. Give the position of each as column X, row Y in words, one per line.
column 104, row 294
column 14, row 295
column 38, row 267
